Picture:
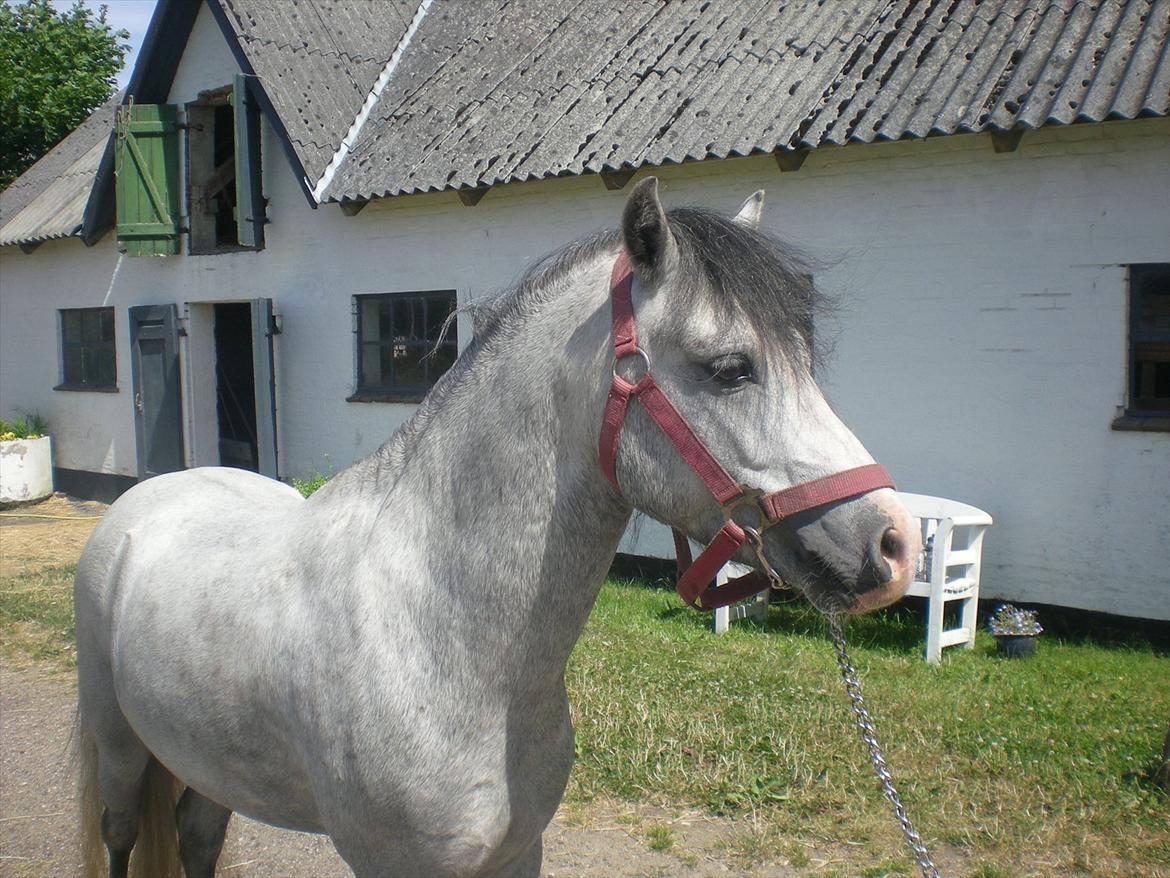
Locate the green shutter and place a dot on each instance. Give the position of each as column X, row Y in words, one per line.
column 249, row 196
column 147, row 190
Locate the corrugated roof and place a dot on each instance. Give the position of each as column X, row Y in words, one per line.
column 491, row 92
column 318, row 60
column 946, row 69
column 49, row 200
column 527, row 89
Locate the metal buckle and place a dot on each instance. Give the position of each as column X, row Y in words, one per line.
column 756, row 538
column 638, row 352
column 748, row 497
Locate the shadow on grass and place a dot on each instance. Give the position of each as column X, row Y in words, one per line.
column 902, row 627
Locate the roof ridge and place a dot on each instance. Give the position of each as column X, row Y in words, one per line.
column 370, row 102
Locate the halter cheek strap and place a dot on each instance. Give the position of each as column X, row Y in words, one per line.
column 696, row 579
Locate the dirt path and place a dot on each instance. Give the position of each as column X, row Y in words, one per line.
column 47, row 534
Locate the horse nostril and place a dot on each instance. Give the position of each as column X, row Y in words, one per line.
column 893, row 546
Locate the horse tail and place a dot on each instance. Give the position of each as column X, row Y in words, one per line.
column 85, row 757
column 156, row 853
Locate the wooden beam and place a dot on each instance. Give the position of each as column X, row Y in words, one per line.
column 353, row 208
column 1007, row 141
column 790, row 159
column 472, row 197
column 615, row 180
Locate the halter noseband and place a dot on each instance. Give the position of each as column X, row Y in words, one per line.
column 696, row 584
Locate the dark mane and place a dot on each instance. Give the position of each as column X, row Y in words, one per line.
column 538, row 283
column 767, row 280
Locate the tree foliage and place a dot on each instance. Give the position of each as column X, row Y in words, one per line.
column 56, row 67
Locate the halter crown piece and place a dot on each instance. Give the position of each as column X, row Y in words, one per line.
column 696, row 580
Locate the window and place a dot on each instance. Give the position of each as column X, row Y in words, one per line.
column 399, row 353
column 225, row 204
column 1149, row 342
column 223, row 166
column 87, row 349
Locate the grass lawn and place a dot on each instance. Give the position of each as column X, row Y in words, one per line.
column 1025, row 768
column 1036, row 767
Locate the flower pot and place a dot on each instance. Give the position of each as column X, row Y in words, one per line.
column 1016, row 645
column 26, row 470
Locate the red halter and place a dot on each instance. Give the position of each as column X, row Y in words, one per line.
column 696, row 584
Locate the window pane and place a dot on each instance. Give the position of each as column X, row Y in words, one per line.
column 73, row 370
column 107, row 333
column 1153, row 309
column 441, row 360
column 1162, row 383
column 368, row 318
column 91, row 324
column 409, row 319
column 385, row 323
column 409, row 370
column 107, row 375
column 71, row 326
column 92, row 365
column 1150, row 337
column 371, row 366
column 438, row 309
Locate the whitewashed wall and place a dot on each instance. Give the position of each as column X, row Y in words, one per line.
column 980, row 352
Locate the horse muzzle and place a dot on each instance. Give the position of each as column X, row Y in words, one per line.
column 856, row 556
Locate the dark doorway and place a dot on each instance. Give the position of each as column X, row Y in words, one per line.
column 235, row 386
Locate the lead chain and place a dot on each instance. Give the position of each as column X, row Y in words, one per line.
column 869, row 736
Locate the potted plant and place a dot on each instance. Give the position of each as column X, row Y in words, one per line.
column 26, row 460
column 1014, row 630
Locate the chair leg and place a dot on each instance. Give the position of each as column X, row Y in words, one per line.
column 934, row 620
column 760, row 606
column 721, row 620
column 970, row 618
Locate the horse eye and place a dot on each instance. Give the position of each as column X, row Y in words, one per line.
column 732, row 371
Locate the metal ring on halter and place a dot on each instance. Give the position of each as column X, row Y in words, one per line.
column 638, row 352
column 757, row 541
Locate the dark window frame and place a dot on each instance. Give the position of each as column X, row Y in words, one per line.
column 367, row 390
column 1147, row 349
column 78, row 378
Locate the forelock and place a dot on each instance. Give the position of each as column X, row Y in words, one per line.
column 755, row 274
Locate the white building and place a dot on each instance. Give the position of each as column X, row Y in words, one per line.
column 988, row 193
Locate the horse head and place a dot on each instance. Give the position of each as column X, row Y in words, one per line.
column 724, row 318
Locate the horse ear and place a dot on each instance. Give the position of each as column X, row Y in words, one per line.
column 752, row 211
column 646, row 232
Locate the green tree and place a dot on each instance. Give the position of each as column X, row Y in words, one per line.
column 56, row 67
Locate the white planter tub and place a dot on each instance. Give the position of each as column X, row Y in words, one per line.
column 26, row 470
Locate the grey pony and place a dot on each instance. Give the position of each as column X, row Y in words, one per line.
column 384, row 662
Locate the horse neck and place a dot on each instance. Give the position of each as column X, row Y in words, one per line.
column 498, row 493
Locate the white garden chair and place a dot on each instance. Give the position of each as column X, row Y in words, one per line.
column 952, row 553
column 754, row 607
